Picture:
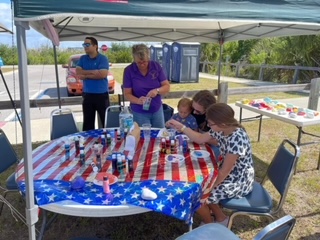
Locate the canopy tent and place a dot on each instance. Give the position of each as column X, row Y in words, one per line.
column 172, row 20
column 3, row 29
column 151, row 20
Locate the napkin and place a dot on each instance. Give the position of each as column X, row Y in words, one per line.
column 132, row 139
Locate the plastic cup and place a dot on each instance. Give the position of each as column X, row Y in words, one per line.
column 146, row 104
column 146, row 127
column 172, row 133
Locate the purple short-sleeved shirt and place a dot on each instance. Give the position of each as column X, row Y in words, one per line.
column 141, row 85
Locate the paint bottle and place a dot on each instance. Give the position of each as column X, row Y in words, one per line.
column 94, row 167
column 119, row 163
column 82, row 157
column 103, row 140
column 109, row 139
column 114, row 162
column 173, row 147
column 130, row 163
column 77, row 144
column 98, row 157
column 124, row 164
column 67, row 151
column 106, row 185
column 163, row 144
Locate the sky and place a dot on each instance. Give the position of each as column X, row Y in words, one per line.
column 34, row 39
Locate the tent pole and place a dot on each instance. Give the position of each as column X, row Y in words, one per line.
column 31, row 208
column 219, row 66
column 221, row 41
column 57, row 74
column 11, row 100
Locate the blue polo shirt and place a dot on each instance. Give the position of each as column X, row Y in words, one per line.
column 141, row 85
column 100, row 62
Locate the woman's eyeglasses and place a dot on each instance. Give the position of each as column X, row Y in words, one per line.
column 198, row 112
column 86, row 44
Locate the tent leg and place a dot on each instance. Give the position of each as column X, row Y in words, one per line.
column 11, row 100
column 45, row 225
column 57, row 75
column 31, row 208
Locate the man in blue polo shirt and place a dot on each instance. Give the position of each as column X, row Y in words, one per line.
column 93, row 69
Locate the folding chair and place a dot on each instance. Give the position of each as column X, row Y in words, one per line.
column 279, row 229
column 112, row 116
column 8, row 158
column 279, row 173
column 62, row 123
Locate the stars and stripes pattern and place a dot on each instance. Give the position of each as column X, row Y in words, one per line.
column 179, row 187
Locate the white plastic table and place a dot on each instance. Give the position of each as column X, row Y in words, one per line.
column 299, row 122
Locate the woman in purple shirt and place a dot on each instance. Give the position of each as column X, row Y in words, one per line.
column 145, row 80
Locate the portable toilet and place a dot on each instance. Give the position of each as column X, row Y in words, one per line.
column 185, row 62
column 167, row 59
column 156, row 53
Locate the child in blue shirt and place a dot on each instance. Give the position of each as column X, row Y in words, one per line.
column 184, row 114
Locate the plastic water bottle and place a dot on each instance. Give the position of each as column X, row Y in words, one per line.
column 125, row 120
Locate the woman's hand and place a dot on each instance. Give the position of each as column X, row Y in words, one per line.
column 141, row 100
column 174, row 124
column 152, row 93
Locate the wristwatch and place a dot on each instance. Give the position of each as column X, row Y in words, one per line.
column 183, row 128
column 158, row 91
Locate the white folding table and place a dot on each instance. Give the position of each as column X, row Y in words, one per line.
column 299, row 122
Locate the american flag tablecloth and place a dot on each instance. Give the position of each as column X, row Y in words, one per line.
column 180, row 188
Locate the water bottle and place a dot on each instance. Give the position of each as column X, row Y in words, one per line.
column 125, row 120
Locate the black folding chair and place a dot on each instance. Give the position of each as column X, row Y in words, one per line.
column 8, row 158
column 62, row 123
column 280, row 172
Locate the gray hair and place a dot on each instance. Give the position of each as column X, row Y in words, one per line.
column 141, row 51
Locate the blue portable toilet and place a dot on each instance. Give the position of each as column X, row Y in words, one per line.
column 167, row 59
column 156, row 53
column 185, row 62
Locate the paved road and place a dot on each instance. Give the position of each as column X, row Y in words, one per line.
column 42, row 85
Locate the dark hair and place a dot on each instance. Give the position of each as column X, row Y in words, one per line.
column 93, row 41
column 204, row 98
column 222, row 113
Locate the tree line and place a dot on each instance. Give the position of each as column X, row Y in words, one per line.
column 295, row 50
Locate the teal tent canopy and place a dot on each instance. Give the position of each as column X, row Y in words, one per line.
column 172, row 20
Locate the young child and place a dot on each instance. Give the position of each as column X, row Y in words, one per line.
column 184, row 115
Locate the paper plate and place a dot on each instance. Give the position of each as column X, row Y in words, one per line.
column 174, row 158
column 200, row 154
column 184, row 137
column 99, row 178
